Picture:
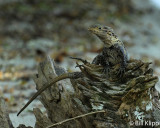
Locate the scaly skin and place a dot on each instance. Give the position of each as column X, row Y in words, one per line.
column 113, row 52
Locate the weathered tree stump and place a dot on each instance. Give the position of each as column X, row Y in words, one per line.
column 125, row 99
column 129, row 98
column 59, row 100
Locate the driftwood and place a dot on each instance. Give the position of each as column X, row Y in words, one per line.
column 59, row 100
column 130, row 98
column 4, row 116
column 96, row 100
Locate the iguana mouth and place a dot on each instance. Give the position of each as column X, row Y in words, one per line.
column 93, row 30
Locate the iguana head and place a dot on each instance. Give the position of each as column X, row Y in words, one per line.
column 105, row 34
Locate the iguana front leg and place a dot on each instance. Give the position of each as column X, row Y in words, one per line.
column 99, row 59
column 123, row 55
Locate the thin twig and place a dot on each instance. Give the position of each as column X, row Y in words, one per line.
column 156, row 105
column 91, row 113
column 76, row 58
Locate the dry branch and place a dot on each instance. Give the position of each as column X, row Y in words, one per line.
column 77, row 117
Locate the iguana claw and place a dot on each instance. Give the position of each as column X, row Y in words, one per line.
column 121, row 71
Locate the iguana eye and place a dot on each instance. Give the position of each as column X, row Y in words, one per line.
column 99, row 27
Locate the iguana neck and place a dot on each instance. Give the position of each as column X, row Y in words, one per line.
column 110, row 41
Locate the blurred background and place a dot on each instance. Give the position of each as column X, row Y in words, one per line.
column 31, row 29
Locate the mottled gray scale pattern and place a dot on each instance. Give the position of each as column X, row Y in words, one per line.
column 113, row 52
column 111, row 56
